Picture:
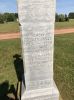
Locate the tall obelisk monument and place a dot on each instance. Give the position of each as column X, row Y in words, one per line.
column 37, row 18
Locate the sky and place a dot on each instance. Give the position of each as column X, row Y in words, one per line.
column 8, row 6
column 65, row 6
column 62, row 6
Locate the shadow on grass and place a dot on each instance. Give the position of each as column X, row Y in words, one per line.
column 9, row 92
column 5, row 90
column 19, row 68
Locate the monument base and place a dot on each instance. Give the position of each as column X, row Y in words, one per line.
column 42, row 94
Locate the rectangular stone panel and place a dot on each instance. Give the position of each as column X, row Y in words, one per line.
column 37, row 24
column 38, row 52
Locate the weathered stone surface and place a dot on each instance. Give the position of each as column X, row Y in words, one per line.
column 36, row 10
column 42, row 94
column 37, row 25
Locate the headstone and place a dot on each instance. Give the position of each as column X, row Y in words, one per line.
column 37, row 19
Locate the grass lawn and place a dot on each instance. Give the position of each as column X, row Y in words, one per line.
column 62, row 25
column 8, row 77
column 63, row 66
column 9, row 27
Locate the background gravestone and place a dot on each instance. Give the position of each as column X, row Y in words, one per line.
column 37, row 19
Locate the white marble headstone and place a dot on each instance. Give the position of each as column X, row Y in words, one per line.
column 37, row 19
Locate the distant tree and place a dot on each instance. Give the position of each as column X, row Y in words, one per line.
column 10, row 17
column 66, row 18
column 16, row 15
column 71, row 15
column 1, row 19
column 5, row 16
column 57, row 17
column 61, row 18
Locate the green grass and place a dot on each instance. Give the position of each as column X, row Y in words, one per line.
column 62, row 25
column 8, row 48
column 9, row 27
column 8, row 76
column 63, row 66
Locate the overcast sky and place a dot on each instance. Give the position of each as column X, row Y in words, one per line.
column 63, row 6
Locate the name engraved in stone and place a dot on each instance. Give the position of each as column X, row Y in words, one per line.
column 40, row 83
column 34, row 58
column 37, row 37
column 38, row 65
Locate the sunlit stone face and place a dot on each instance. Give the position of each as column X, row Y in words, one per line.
column 37, row 19
column 36, row 10
column 37, row 23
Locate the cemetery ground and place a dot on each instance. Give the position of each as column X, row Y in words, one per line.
column 63, row 66
column 64, row 25
column 9, row 27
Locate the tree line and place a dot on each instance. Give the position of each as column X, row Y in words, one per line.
column 8, row 17
column 64, row 17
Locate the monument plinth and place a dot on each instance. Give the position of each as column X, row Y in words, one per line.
column 37, row 19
